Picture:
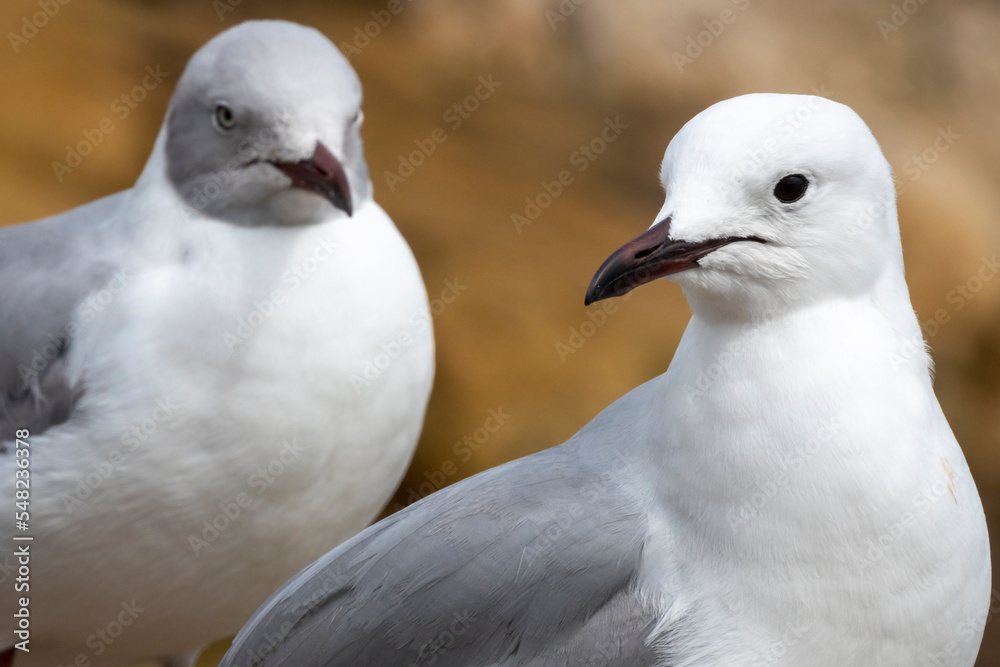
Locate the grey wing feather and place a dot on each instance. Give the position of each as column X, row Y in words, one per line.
column 47, row 268
column 532, row 563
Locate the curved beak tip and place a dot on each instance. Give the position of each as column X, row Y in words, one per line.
column 597, row 290
column 333, row 172
column 323, row 174
column 626, row 268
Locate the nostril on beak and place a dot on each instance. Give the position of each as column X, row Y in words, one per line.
column 324, row 160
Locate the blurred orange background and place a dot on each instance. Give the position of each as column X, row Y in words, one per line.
column 513, row 335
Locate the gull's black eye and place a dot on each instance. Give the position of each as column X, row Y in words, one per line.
column 225, row 119
column 791, row 188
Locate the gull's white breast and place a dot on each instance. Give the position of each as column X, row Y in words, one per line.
column 814, row 516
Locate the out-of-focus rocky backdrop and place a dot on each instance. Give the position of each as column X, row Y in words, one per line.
column 521, row 363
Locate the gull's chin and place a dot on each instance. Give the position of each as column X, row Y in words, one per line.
column 751, row 262
column 295, row 206
column 703, row 279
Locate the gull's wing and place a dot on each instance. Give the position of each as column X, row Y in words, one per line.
column 47, row 270
column 532, row 563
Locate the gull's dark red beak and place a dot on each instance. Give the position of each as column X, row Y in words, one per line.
column 322, row 174
column 650, row 256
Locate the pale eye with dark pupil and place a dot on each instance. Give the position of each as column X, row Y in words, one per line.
column 225, row 119
column 791, row 188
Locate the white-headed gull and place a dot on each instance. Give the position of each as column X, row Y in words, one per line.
column 788, row 493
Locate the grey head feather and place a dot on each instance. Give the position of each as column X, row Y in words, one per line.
column 260, row 93
column 531, row 563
